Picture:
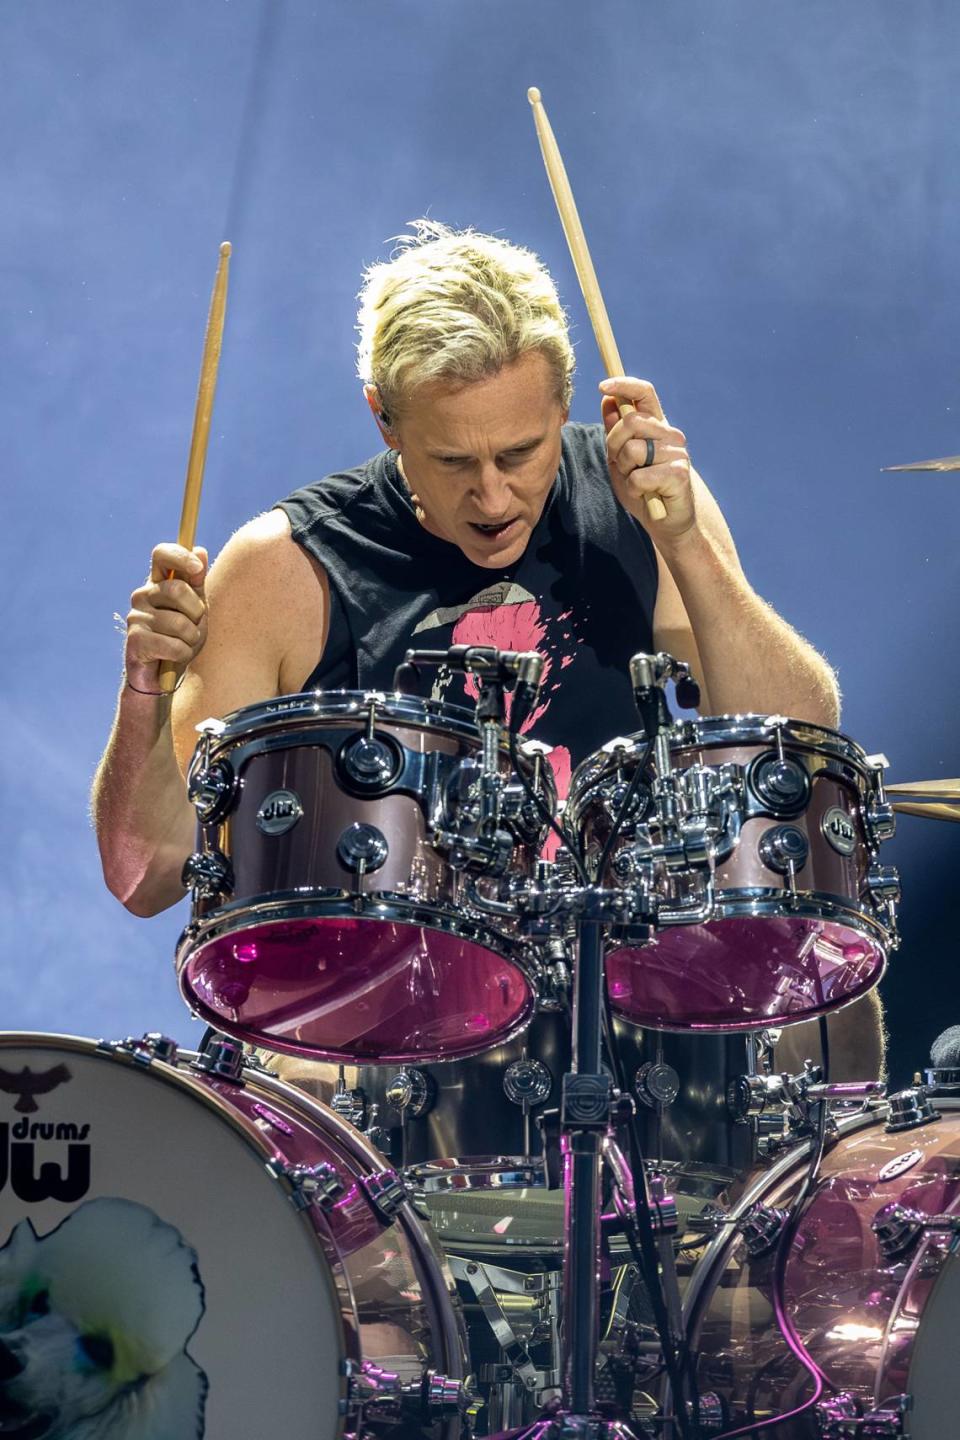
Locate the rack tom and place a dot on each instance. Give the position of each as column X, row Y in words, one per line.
column 803, row 915
column 329, row 920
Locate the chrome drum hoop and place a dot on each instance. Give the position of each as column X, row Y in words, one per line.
column 335, row 905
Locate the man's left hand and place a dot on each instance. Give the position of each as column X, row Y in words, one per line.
column 633, row 479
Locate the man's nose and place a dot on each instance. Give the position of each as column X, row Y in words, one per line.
column 492, row 493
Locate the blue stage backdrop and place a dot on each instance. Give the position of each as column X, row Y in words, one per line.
column 772, row 199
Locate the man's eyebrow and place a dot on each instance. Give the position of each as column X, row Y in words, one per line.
column 518, row 445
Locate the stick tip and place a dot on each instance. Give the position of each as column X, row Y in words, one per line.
column 226, row 249
column 533, row 95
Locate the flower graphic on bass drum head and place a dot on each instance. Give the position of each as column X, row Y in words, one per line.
column 95, row 1318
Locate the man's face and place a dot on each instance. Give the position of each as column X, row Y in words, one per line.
column 480, row 459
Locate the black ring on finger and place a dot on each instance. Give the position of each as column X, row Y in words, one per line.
column 651, row 450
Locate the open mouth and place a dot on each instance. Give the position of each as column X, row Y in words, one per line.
column 495, row 532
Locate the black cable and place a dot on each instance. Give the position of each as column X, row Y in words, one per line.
column 824, row 1049
column 642, row 1242
column 544, row 811
column 622, row 814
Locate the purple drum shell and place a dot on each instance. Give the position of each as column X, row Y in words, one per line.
column 860, row 1314
column 357, row 989
column 743, row 973
column 768, row 958
column 309, row 958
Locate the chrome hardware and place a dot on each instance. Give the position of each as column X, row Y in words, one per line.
column 221, row 1057
column 385, row 1191
column 370, row 763
column 444, row 1395
column 883, row 882
column 411, row 1091
column 761, row 1227
column 212, row 789
column 490, row 1286
column 318, row 1185
column 942, row 1080
column 527, row 1082
column 749, row 1096
column 841, row 1418
column 144, row 1048
column 208, row 873
column 362, row 848
column 897, row 1229
column 380, row 1394
column 780, row 783
column 837, row 1416
column 656, row 1084
column 663, row 1206
column 350, row 1105
column 784, row 849
column 880, row 820
column 908, row 1109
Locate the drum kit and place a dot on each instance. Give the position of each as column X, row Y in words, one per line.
column 556, row 1184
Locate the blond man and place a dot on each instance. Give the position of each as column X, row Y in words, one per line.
column 488, row 518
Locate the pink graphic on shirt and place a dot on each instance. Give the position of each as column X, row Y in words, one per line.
column 507, row 627
column 520, row 627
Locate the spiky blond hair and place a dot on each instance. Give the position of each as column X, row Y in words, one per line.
column 456, row 305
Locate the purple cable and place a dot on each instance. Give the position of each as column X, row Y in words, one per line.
column 785, row 1324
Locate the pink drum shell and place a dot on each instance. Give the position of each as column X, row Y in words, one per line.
column 858, row 1312
column 420, row 977
column 764, row 961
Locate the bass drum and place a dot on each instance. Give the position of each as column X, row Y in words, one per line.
column 189, row 1254
column 870, row 1287
column 466, row 1135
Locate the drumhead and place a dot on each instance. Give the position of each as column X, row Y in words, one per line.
column 142, row 1238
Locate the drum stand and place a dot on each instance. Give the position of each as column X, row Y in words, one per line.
column 586, row 1110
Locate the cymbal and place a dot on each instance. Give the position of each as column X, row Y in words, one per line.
column 949, row 462
column 932, row 810
column 935, row 789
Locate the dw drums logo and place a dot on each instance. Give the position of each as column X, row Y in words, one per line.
column 33, row 1177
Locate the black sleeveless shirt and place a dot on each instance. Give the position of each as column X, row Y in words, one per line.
column 582, row 593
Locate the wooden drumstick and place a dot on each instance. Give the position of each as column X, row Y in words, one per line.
column 206, row 389
column 577, row 242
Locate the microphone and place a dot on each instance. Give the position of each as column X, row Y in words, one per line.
column 944, row 1071
column 527, row 665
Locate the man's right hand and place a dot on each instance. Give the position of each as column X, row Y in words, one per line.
column 168, row 617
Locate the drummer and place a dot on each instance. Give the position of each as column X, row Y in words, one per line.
column 487, row 519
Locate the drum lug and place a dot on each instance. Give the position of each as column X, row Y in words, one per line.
column 213, row 790
column 908, row 1109
column 318, row 1185
column 880, row 821
column 144, row 1048
column 841, row 1418
column 209, row 874
column 381, row 1394
column 386, row 1192
column 761, row 1228
column 897, row 1228
column 223, row 1058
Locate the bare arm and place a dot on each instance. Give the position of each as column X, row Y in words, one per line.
column 856, row 1037
column 257, row 632
column 747, row 657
